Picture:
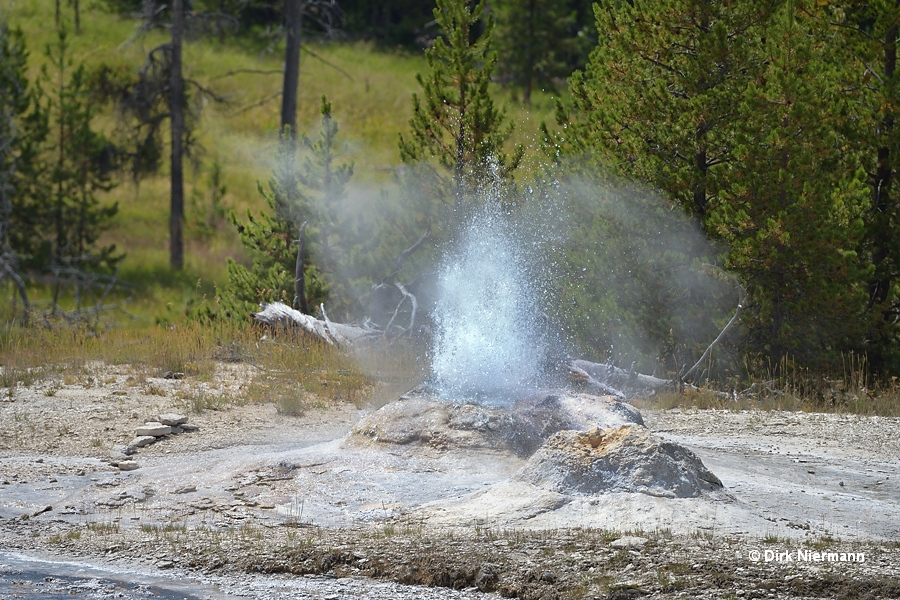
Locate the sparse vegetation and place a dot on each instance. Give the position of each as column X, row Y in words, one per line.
column 792, row 388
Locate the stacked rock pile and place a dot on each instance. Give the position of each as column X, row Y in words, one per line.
column 149, row 433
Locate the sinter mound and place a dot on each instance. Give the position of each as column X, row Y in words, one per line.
column 420, row 418
column 619, row 459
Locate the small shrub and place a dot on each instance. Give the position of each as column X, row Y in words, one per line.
column 291, row 404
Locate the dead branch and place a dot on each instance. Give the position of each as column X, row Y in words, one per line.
column 412, row 301
column 300, row 274
column 234, row 72
column 620, row 379
column 327, row 63
column 585, row 378
column 278, row 314
column 262, row 102
column 8, row 271
column 737, row 315
column 401, row 260
column 412, row 316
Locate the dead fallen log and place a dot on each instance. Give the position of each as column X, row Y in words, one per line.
column 584, row 378
column 278, row 314
column 603, row 378
column 614, row 380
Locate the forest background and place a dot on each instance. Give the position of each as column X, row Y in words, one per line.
column 684, row 162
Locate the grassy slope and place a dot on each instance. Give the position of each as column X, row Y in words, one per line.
column 372, row 103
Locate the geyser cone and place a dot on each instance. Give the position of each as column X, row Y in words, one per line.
column 488, row 345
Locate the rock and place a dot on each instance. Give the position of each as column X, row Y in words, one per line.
column 488, row 575
column 188, row 427
column 628, row 541
column 204, row 503
column 153, row 428
column 176, row 430
column 421, row 418
column 172, row 419
column 141, row 441
column 125, row 450
column 625, row 459
column 115, row 457
column 127, row 465
column 186, row 489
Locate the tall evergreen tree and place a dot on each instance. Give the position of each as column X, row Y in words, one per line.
column 792, row 213
column 159, row 94
column 304, row 206
column 865, row 37
column 22, row 131
column 722, row 106
column 658, row 99
column 78, row 164
column 535, row 39
column 456, row 133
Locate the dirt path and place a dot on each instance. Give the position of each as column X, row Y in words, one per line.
column 255, row 492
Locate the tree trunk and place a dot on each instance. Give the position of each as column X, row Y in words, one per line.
column 176, row 109
column 280, row 315
column 529, row 57
column 883, row 211
column 300, row 302
column 293, row 25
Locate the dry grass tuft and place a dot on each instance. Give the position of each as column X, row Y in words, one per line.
column 292, row 370
column 791, row 388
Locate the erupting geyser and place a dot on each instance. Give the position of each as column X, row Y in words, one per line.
column 489, row 345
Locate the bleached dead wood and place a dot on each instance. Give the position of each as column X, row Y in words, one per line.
column 742, row 300
column 585, row 378
column 615, row 380
column 278, row 314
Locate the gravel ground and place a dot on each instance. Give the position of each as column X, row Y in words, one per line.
column 350, row 525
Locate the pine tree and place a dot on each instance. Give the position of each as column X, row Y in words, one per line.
column 658, row 98
column 534, row 40
column 864, row 37
column 456, row 135
column 78, row 170
column 303, row 204
column 22, row 132
column 727, row 108
column 791, row 212
column 655, row 106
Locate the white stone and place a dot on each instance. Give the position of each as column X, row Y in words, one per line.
column 127, row 465
column 141, row 441
column 153, row 428
column 628, row 541
column 172, row 419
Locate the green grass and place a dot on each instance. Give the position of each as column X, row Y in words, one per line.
column 370, row 90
